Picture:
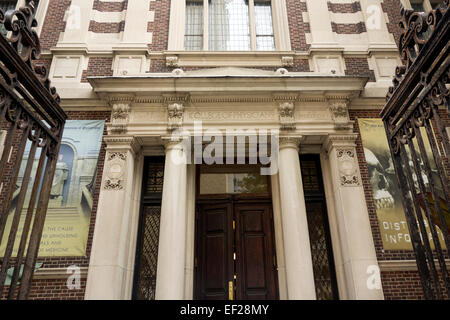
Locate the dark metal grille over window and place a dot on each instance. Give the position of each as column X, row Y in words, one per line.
column 319, row 234
column 149, row 253
column 148, row 238
column 413, row 124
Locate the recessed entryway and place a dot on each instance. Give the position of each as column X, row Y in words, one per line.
column 235, row 249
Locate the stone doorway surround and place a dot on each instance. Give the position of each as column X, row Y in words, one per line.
column 311, row 112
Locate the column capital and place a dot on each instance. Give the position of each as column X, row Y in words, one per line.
column 122, row 143
column 290, row 142
column 173, row 143
column 340, row 140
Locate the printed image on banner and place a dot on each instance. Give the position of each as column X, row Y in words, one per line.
column 386, row 194
column 69, row 211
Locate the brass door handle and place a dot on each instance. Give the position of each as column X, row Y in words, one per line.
column 230, row 290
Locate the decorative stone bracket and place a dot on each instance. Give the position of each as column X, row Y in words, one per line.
column 175, row 113
column 339, row 114
column 287, row 118
column 119, row 116
column 287, row 61
column 172, row 61
column 175, row 110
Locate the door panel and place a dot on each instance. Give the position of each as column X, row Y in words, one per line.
column 250, row 242
column 215, row 241
column 254, row 253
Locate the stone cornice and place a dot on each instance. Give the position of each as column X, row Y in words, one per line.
column 403, row 265
column 57, row 273
column 340, row 140
column 198, row 84
column 118, row 142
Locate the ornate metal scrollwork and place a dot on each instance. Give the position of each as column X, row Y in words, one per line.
column 417, row 27
column 24, row 39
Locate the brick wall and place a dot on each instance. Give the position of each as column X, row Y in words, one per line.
column 54, row 23
column 344, row 7
column 159, row 27
column 297, row 27
column 98, row 66
column 348, row 28
column 392, row 9
column 359, row 67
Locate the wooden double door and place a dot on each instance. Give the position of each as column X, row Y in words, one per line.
column 235, row 250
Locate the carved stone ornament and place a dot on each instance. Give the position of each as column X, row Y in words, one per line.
column 286, row 112
column 287, row 61
column 175, row 116
column 172, row 61
column 119, row 117
column 339, row 114
column 115, row 171
column 348, row 168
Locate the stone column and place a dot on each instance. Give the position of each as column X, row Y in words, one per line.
column 299, row 269
column 190, row 233
column 359, row 259
column 170, row 278
column 109, row 266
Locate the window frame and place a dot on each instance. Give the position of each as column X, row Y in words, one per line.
column 279, row 20
column 40, row 12
column 426, row 4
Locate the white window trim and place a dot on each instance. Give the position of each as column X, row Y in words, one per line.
column 41, row 10
column 426, row 4
column 178, row 18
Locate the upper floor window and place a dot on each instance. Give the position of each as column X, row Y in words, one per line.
column 229, row 25
column 424, row 5
column 6, row 5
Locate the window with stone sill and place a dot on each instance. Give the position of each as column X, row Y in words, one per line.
column 424, row 5
column 229, row 25
column 6, row 5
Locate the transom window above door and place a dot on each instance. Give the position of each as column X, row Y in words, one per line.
column 229, row 25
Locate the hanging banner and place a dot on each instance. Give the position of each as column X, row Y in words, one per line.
column 386, row 194
column 69, row 211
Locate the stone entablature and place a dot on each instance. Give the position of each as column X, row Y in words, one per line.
column 228, row 97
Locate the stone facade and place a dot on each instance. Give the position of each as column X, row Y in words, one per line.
column 85, row 41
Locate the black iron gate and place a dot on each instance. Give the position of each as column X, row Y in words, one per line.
column 31, row 126
column 418, row 140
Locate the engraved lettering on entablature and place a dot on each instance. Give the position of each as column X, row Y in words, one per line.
column 312, row 115
column 230, row 115
column 147, row 116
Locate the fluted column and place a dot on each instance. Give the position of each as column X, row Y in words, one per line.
column 170, row 277
column 359, row 261
column 299, row 269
